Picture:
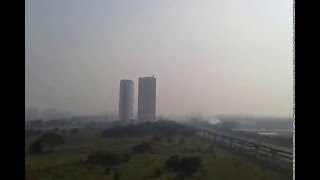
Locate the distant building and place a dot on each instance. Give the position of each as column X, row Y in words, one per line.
column 54, row 114
column 126, row 100
column 147, row 99
column 49, row 114
column 31, row 114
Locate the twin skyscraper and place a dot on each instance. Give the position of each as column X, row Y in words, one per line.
column 146, row 99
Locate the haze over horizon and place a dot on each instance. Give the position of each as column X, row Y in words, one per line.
column 208, row 56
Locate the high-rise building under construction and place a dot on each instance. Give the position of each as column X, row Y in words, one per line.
column 147, row 99
column 126, row 98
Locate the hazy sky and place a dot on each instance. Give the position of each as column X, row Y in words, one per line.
column 230, row 56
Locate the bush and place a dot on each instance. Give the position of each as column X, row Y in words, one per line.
column 187, row 165
column 211, row 149
column 237, row 163
column 198, row 149
column 181, row 141
column 214, row 156
column 169, row 140
column 74, row 131
column 126, row 157
column 157, row 173
column 173, row 162
column 31, row 132
column 148, row 162
column 104, row 158
column 179, row 177
column 52, row 139
column 156, row 139
column 107, row 170
column 117, row 175
column 35, row 147
column 160, row 128
column 64, row 131
column 204, row 172
column 141, row 148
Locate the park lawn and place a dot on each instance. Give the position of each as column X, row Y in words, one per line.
column 67, row 161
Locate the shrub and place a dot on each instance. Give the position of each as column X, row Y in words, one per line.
column 237, row 163
column 181, row 141
column 204, row 172
column 187, row 165
column 64, row 131
column 35, row 147
column 211, row 149
column 173, row 162
column 104, row 158
column 31, row 132
column 52, row 139
column 107, row 170
column 141, row 148
column 169, row 140
column 214, row 156
column 126, row 157
column 179, row 177
column 198, row 149
column 117, row 175
column 160, row 128
column 74, row 131
column 157, row 173
column 148, row 162
column 156, row 139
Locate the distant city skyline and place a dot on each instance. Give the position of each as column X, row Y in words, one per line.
column 216, row 57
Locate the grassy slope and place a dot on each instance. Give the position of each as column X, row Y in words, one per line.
column 65, row 162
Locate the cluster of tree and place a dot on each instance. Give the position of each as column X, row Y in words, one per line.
column 156, row 139
column 186, row 165
column 56, row 130
column 143, row 147
column 161, row 128
column 50, row 139
column 117, row 175
column 181, row 141
column 199, row 122
column 157, row 173
column 35, row 147
column 57, row 122
column 36, row 123
column 228, row 125
column 104, row 158
column 74, row 131
column 32, row 132
column 108, row 159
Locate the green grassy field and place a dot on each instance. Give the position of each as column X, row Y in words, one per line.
column 66, row 162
